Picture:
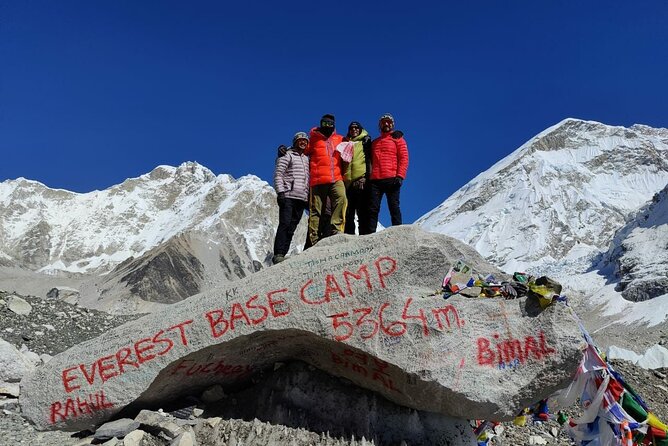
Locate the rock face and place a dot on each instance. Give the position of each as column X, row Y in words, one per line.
column 356, row 307
column 639, row 251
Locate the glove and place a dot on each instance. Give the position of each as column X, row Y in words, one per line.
column 398, row 181
column 366, row 140
column 397, row 134
column 280, row 196
column 281, row 151
column 359, row 183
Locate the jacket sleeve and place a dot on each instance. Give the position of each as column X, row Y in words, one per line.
column 402, row 158
column 366, row 147
column 309, row 148
column 279, row 174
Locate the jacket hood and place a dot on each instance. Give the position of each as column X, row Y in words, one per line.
column 315, row 134
column 361, row 136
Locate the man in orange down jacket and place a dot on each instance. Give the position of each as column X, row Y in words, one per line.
column 389, row 163
column 326, row 168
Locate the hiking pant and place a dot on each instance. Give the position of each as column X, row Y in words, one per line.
column 290, row 211
column 358, row 202
column 324, row 228
column 388, row 187
column 318, row 199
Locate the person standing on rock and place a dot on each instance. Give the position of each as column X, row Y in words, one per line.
column 291, row 181
column 326, row 168
column 389, row 164
column 356, row 179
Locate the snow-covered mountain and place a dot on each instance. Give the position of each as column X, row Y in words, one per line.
column 555, row 203
column 51, row 231
column 150, row 241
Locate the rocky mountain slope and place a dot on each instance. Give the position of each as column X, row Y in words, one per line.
column 639, row 252
column 148, row 241
column 556, row 202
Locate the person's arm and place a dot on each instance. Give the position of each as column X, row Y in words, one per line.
column 281, row 151
column 282, row 163
column 402, row 158
column 366, row 147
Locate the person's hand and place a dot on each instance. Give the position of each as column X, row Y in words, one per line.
column 366, row 139
column 359, row 184
column 281, row 151
column 398, row 181
column 397, row 134
column 280, row 196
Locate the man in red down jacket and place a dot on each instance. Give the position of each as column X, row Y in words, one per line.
column 326, row 169
column 389, row 163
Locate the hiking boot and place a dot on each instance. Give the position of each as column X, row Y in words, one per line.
column 278, row 258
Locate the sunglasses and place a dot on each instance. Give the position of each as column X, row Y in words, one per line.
column 327, row 123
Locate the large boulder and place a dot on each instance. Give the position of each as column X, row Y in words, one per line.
column 362, row 308
column 13, row 364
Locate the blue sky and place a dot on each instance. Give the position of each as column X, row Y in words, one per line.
column 93, row 92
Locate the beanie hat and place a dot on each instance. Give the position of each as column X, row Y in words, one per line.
column 299, row 135
column 355, row 124
column 386, row 116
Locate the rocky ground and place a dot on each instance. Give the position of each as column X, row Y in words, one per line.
column 53, row 326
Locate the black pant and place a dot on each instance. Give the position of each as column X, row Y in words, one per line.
column 290, row 211
column 358, row 202
column 391, row 190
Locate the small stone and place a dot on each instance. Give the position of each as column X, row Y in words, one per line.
column 49, row 327
column 11, row 389
column 32, row 357
column 537, row 439
column 659, row 374
column 197, row 412
column 9, row 330
column 171, row 429
column 134, row 438
column 150, row 419
column 213, row 422
column 184, row 439
column 554, row 431
column 9, row 403
column 117, row 428
column 19, row 306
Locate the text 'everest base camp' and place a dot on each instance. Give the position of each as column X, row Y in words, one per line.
column 363, row 309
